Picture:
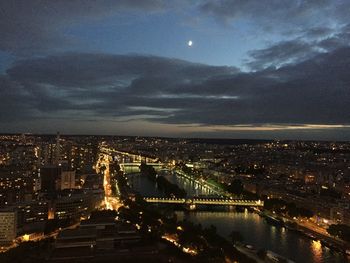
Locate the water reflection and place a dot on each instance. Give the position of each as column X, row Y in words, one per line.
column 283, row 236
column 317, row 250
column 192, row 188
column 255, row 230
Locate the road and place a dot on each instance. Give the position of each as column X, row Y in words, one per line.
column 111, row 202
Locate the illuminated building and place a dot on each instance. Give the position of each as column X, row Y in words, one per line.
column 8, row 226
column 67, row 180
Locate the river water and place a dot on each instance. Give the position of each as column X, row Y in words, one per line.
column 254, row 229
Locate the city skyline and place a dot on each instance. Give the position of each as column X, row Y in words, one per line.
column 252, row 70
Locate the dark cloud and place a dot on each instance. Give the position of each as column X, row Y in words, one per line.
column 300, row 78
column 79, row 70
column 107, row 84
column 298, row 30
column 162, row 90
column 288, row 15
column 308, row 44
column 281, row 53
column 32, row 26
column 15, row 102
column 318, row 32
column 40, row 27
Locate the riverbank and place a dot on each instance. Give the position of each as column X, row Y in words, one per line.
column 307, row 231
column 260, row 235
column 255, row 229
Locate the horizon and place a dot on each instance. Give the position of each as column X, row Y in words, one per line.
column 177, row 138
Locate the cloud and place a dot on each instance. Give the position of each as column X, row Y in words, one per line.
column 15, row 102
column 308, row 44
column 284, row 52
column 85, row 70
column 121, row 88
column 299, row 79
column 277, row 15
column 36, row 26
column 100, row 84
column 318, row 32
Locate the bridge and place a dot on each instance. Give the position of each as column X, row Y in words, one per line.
column 132, row 156
column 204, row 183
column 205, row 201
column 139, row 163
column 131, row 166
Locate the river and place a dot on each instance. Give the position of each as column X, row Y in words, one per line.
column 254, row 229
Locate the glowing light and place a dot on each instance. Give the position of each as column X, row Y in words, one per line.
column 190, row 43
column 316, row 248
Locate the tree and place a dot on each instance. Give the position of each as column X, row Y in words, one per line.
column 342, row 231
column 305, row 212
column 236, row 187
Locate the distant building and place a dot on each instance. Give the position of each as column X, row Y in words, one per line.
column 8, row 226
column 310, row 178
column 36, row 185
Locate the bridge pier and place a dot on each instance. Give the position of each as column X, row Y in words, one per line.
column 190, row 206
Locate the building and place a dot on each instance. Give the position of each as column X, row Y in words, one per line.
column 71, row 207
column 67, row 180
column 103, row 240
column 50, row 177
column 76, row 205
column 32, row 212
column 75, row 238
column 99, row 233
column 8, row 226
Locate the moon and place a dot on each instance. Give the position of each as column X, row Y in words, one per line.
column 190, row 43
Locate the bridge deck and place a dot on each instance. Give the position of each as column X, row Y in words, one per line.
column 205, row 201
column 139, row 163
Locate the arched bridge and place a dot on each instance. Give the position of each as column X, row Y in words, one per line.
column 205, row 201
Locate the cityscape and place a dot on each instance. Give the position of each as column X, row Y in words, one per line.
column 76, row 198
column 175, row 131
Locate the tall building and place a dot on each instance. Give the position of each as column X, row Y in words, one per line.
column 50, row 177
column 57, row 149
column 8, row 226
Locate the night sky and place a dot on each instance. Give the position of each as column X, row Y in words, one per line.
column 275, row 69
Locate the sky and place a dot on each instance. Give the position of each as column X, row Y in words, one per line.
column 274, row 69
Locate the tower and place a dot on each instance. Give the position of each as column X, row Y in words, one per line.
column 57, row 149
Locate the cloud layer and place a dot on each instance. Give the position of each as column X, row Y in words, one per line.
column 299, row 78
column 32, row 26
column 315, row 91
column 37, row 26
